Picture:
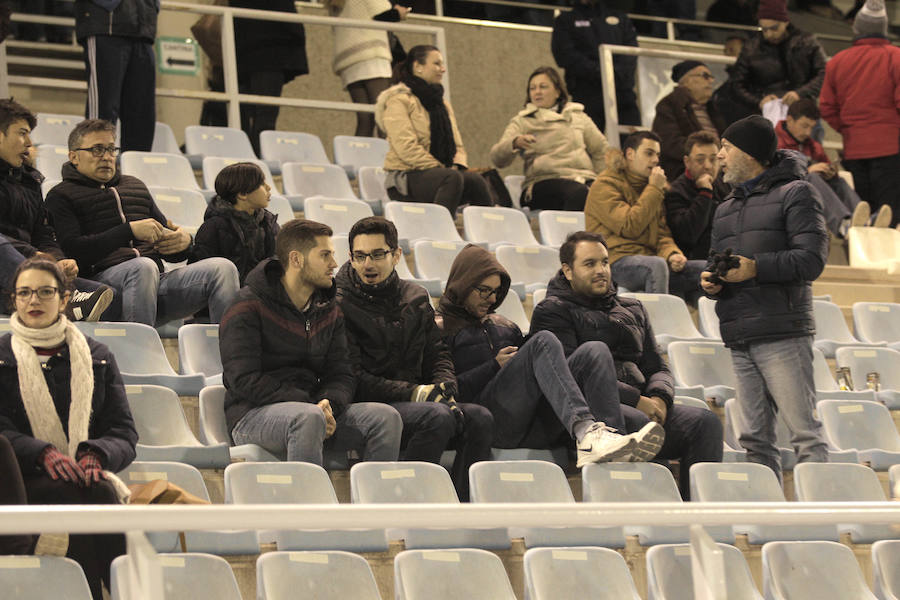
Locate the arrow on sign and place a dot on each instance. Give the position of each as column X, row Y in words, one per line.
column 177, row 61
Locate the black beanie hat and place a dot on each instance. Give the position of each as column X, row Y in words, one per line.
column 681, row 69
column 755, row 136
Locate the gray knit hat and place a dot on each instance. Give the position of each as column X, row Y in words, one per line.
column 871, row 19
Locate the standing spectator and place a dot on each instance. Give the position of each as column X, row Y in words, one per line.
column 739, row 12
column 773, row 221
column 362, row 57
column 577, row 34
column 688, row 108
column 861, row 100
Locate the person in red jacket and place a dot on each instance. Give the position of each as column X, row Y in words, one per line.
column 861, row 100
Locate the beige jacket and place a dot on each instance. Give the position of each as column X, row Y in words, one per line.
column 569, row 145
column 408, row 127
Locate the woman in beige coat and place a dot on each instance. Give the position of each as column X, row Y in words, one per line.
column 426, row 161
column 562, row 148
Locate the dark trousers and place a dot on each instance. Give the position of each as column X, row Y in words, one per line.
column 12, row 491
column 122, row 86
column 877, row 181
column 256, row 118
column 559, row 194
column 448, row 187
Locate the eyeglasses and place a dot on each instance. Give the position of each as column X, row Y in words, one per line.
column 98, row 150
column 486, row 292
column 46, row 292
column 707, row 76
column 375, row 255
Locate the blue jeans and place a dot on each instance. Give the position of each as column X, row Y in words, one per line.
column 777, row 376
column 295, row 431
column 652, row 274
column 151, row 297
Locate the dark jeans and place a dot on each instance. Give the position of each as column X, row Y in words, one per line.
column 256, row 118
column 448, row 187
column 877, row 181
column 559, row 194
column 12, row 491
column 429, row 428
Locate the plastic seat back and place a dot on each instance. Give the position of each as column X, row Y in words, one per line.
column 862, row 361
column 183, row 207
column 281, row 208
column 831, row 328
column 217, row 141
column 886, row 569
column 556, row 225
column 213, row 426
column 338, row 213
column 669, row 316
column 54, row 129
column 136, row 346
column 514, row 187
column 669, row 575
column 434, row 259
column 212, row 165
column 512, row 309
column 709, row 320
column 50, row 159
column 533, row 266
column 292, row 146
column 158, row 416
column 185, row 577
column 877, row 321
column 518, row 481
column 278, row 483
column 596, row 573
column 198, row 349
column 701, row 363
column 408, row 481
column 319, row 575
column 419, row 221
column 450, row 574
column 352, row 152
column 860, row 424
column 894, row 478
column 497, row 225
column 42, row 578
column 302, row 179
column 164, row 139
column 812, row 571
column 160, row 169
column 874, row 247
column 371, row 183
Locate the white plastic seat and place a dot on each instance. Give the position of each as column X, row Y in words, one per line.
column 513, row 185
column 303, row 180
column 709, row 320
column 434, row 287
column 894, row 478
column 42, row 578
column 314, row 575
column 164, row 139
column 669, row 318
column 556, row 225
column 212, row 165
column 874, row 248
column 596, row 573
column 185, row 576
column 703, row 363
column 512, row 309
column 538, row 296
column 450, row 575
column 371, row 184
column 214, row 428
column 495, row 225
column 54, row 129
column 352, row 152
column 831, row 329
column 864, row 426
column 530, row 266
column 50, row 160
column 183, row 207
column 828, row 388
column 669, row 575
column 884, row 361
column 207, row 141
column 421, row 221
column 732, row 431
column 281, row 208
column 811, row 570
column 47, row 185
column 161, row 169
column 877, row 322
column 198, row 351
column 433, row 259
column 338, row 213
column 292, row 146
column 886, row 569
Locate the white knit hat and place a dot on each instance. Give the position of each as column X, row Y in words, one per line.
column 871, row 19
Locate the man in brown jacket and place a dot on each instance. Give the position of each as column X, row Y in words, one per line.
column 625, row 205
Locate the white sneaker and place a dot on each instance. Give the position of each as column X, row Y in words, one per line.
column 602, row 444
column 648, row 441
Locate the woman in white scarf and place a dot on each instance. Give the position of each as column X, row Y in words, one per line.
column 64, row 410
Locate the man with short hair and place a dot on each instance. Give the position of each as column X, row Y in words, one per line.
column 285, row 360
column 399, row 357
column 583, row 309
column 625, row 205
column 110, row 224
column 773, row 221
column 692, row 199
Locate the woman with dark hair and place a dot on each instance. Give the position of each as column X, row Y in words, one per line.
column 426, row 161
column 561, row 146
column 64, row 411
column 237, row 225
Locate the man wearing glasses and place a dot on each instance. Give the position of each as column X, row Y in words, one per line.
column 110, row 224
column 399, row 357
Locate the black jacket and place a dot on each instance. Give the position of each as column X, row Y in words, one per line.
column 269, row 45
column 131, row 18
column 225, row 233
column 690, row 211
column 23, row 219
column 674, row 122
column 272, row 352
column 92, row 220
column 779, row 224
column 111, row 433
column 394, row 342
column 621, row 323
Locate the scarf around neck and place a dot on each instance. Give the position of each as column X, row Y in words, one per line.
column 431, row 95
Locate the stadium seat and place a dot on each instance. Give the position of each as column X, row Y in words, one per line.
column 296, row 483
column 193, row 575
column 750, row 482
column 512, row 309
column 877, row 322
column 292, row 146
column 304, row 180
column 496, row 225
column 886, row 569
column 449, row 575
column 434, row 259
column 812, row 570
column 212, row 165
column 530, row 266
column 157, row 169
column 198, row 352
column 864, row 426
column 164, row 139
column 883, row 361
column 140, row 355
column 514, row 187
column 836, row 482
column 690, row 401
column 42, row 578
column 183, row 207
column 703, row 363
column 669, row 575
column 831, row 329
column 50, row 160
column 47, row 185
column 54, row 129
column 669, row 318
column 420, row 221
column 596, row 573
column 894, row 478
column 874, row 248
column 281, row 208
column 163, row 431
column 206, row 141
column 338, row 213
column 314, row 575
column 827, row 387
column 556, row 225
column 709, row 320
column 371, row 184
column 214, row 428
column 352, row 152
column 732, row 431
column 434, row 287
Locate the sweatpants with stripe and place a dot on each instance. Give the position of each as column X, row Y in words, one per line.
column 122, row 86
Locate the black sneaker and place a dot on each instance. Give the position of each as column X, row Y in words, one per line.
column 88, row 306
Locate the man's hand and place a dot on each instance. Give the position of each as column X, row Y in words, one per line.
column 658, row 178
column 653, row 407
column 708, row 286
column 790, row 97
column 677, row 262
column 704, row 182
column 69, row 267
column 172, row 242
column 766, row 100
column 147, row 230
column 505, row 354
column 330, row 423
column 746, row 271
column 826, row 170
column 524, row 142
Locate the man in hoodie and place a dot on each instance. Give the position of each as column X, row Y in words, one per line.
column 539, row 399
column 399, row 357
column 285, row 361
column 583, row 310
column 773, row 221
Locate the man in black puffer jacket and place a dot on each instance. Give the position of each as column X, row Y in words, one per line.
column 773, row 220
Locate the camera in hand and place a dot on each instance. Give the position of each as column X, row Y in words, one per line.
column 722, row 262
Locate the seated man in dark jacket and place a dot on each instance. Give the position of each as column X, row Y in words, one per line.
column 399, row 357
column 581, row 309
column 538, row 398
column 285, row 361
column 691, row 200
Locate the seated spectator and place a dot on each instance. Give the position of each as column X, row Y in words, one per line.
column 692, row 199
column 583, row 310
column 237, row 225
column 64, row 411
column 538, row 398
column 286, row 366
column 625, row 205
column 110, row 224
column 25, row 228
column 688, row 108
column 399, row 357
column 734, row 44
column 561, row 146
column 426, row 161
